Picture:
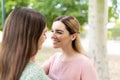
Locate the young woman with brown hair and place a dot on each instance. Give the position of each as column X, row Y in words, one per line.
column 23, row 35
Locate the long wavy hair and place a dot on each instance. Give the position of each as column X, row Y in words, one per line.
column 73, row 26
column 22, row 30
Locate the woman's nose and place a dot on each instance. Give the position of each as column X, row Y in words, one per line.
column 53, row 35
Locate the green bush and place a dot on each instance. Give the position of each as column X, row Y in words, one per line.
column 115, row 33
column 109, row 34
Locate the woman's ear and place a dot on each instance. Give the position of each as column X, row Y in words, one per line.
column 73, row 36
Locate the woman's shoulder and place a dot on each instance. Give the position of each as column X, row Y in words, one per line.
column 31, row 66
column 83, row 59
column 33, row 72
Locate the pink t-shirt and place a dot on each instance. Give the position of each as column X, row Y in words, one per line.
column 78, row 68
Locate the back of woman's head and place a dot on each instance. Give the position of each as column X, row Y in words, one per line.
column 22, row 30
column 72, row 26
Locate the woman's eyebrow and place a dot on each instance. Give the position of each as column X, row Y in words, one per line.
column 60, row 30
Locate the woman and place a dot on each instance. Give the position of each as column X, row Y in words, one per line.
column 71, row 63
column 23, row 35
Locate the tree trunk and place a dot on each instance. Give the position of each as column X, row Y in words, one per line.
column 98, row 17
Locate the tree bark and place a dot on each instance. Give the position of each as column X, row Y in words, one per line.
column 98, row 17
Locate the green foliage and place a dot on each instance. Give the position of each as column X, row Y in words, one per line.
column 10, row 5
column 115, row 32
column 109, row 34
column 113, row 11
column 54, row 8
column 0, row 16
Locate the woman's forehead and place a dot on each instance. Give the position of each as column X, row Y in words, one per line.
column 58, row 25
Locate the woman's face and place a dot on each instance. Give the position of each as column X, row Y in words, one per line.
column 60, row 36
column 42, row 38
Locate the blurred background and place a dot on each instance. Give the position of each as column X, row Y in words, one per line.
column 78, row 8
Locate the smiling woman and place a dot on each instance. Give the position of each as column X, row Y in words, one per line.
column 60, row 35
column 71, row 63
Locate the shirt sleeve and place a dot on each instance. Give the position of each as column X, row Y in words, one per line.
column 89, row 71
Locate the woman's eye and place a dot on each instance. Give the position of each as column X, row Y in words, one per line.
column 59, row 32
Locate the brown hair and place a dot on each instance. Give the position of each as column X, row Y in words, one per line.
column 73, row 26
column 22, row 30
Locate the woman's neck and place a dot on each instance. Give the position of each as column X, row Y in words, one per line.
column 68, row 53
column 68, row 50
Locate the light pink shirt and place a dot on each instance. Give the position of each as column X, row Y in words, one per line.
column 79, row 68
